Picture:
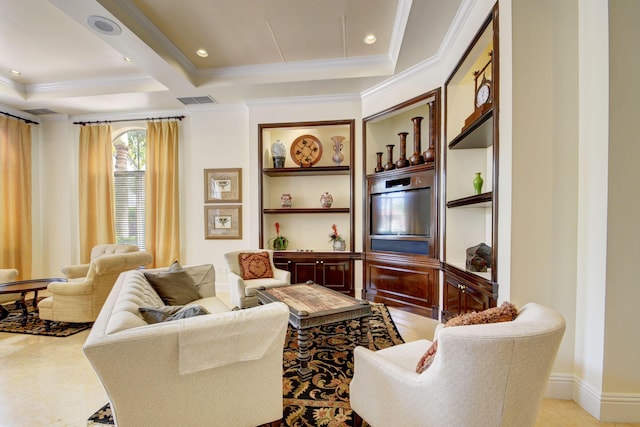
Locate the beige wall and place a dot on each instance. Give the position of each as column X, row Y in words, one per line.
column 621, row 376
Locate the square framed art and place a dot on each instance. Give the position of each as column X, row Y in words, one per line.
column 223, row 185
column 223, row 222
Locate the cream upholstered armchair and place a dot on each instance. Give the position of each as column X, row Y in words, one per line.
column 481, row 375
column 80, row 300
column 8, row 275
column 81, row 270
column 249, row 270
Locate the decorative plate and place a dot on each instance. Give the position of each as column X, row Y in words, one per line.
column 306, row 150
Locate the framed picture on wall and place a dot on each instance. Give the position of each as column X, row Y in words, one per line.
column 223, row 222
column 223, row 185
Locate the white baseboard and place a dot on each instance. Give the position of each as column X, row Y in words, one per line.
column 605, row 407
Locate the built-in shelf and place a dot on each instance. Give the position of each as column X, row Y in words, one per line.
column 483, row 200
column 305, row 210
column 478, row 135
column 308, row 171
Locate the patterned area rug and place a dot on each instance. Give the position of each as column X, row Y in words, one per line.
column 324, row 399
column 35, row 326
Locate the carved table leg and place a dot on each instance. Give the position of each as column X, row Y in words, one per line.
column 304, row 372
column 364, row 331
column 25, row 311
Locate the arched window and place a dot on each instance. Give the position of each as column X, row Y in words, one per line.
column 129, row 151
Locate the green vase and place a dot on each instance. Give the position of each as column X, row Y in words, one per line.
column 477, row 183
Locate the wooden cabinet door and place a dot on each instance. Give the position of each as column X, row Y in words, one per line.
column 336, row 275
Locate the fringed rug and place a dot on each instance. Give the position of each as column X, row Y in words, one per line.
column 35, row 326
column 324, row 399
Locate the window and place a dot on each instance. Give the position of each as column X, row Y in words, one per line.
column 129, row 151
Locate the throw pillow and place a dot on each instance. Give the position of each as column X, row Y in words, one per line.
column 255, row 265
column 168, row 313
column 506, row 312
column 174, row 286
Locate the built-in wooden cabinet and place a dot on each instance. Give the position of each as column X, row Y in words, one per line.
column 313, row 165
column 471, row 135
column 333, row 270
column 401, row 245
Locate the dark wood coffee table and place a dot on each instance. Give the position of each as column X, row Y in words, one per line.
column 314, row 305
column 22, row 287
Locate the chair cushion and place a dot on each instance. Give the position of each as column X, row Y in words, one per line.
column 168, row 313
column 506, row 312
column 175, row 286
column 255, row 265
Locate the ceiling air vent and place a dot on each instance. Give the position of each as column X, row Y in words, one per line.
column 197, row 100
column 39, row 111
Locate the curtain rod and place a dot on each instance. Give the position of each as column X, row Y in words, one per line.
column 31, row 122
column 128, row 120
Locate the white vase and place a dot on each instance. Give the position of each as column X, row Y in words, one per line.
column 337, row 157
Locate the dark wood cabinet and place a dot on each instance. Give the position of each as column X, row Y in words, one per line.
column 409, row 283
column 331, row 269
column 401, row 262
column 463, row 295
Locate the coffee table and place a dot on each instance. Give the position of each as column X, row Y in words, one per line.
column 22, row 287
column 312, row 305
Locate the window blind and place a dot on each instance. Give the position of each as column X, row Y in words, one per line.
column 129, row 189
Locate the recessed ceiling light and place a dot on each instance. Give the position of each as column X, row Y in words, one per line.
column 202, row 53
column 15, row 72
column 126, row 58
column 103, row 25
column 369, row 39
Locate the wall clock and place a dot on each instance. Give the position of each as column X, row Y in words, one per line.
column 306, row 150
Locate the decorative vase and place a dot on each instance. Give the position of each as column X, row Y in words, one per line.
column 402, row 161
column 430, row 154
column 339, row 245
column 477, row 183
column 416, row 158
column 337, row 157
column 389, row 165
column 279, row 153
column 285, row 200
column 379, row 167
column 326, row 200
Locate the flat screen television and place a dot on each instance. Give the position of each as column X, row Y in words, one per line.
column 401, row 213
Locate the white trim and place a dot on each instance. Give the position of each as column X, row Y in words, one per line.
column 303, row 99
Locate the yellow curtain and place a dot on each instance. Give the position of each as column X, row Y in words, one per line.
column 162, row 220
column 95, row 186
column 15, row 196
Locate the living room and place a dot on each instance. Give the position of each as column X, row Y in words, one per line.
column 568, row 238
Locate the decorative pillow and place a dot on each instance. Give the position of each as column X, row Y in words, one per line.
column 174, row 286
column 168, row 313
column 506, row 312
column 255, row 265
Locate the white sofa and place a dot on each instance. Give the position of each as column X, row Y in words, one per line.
column 223, row 368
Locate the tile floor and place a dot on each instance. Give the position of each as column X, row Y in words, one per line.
column 47, row 382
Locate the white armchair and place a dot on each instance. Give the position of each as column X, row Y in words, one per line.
column 81, row 270
column 482, row 375
column 80, row 300
column 243, row 291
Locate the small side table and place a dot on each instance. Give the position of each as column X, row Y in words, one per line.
column 22, row 287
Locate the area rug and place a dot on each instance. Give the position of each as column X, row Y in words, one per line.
column 324, row 399
column 35, row 326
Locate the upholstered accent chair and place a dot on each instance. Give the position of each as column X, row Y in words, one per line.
column 481, row 375
column 8, row 275
column 242, row 289
column 80, row 300
column 81, row 270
